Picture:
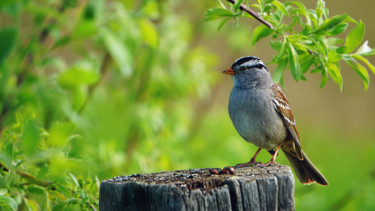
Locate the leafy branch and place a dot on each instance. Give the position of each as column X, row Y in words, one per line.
column 252, row 13
column 305, row 39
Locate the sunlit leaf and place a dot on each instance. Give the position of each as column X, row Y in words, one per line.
column 149, row 33
column 355, row 37
column 81, row 73
column 333, row 56
column 334, row 71
column 31, row 204
column 3, row 191
column 74, row 179
column 281, row 7
column 366, row 61
column 299, row 46
column 360, row 70
column 10, row 202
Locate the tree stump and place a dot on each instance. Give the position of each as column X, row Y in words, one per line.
column 251, row 188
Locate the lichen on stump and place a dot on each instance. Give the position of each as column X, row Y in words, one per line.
column 251, row 188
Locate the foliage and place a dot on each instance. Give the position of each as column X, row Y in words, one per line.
column 95, row 89
column 306, row 39
column 88, row 90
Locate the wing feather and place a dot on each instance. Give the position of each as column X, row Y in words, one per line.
column 282, row 106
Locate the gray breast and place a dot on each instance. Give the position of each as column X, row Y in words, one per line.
column 255, row 118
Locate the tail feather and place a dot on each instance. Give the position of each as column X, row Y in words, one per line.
column 306, row 172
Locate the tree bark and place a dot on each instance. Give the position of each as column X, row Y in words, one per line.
column 250, row 188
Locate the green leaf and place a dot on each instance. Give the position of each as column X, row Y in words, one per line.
column 32, row 204
column 324, row 76
column 30, row 137
column 333, row 56
column 293, row 63
column 119, row 52
column 216, row 13
column 330, row 23
column 80, row 73
column 278, row 74
column 8, row 37
column 302, row 10
column 321, row 9
column 9, row 151
column 260, row 32
column 276, row 45
column 84, row 29
column 74, row 179
column 333, row 41
column 37, row 190
column 367, row 62
column 282, row 51
column 281, row 7
column 306, row 63
column 355, row 37
column 11, row 203
column 333, row 70
column 222, row 23
column 299, row 46
column 3, row 191
column 149, row 33
column 360, row 70
column 338, row 29
column 237, row 5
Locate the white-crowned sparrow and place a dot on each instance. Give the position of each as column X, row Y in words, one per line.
column 261, row 115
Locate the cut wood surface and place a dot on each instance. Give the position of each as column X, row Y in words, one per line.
column 259, row 187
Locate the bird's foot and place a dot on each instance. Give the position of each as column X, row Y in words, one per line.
column 271, row 163
column 250, row 163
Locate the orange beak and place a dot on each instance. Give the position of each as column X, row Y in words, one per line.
column 229, row 71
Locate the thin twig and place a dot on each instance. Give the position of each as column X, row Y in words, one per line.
column 28, row 177
column 252, row 13
column 33, row 180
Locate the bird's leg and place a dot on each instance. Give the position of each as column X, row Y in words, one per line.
column 274, row 155
column 252, row 160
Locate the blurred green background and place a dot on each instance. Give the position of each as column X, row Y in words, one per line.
column 90, row 90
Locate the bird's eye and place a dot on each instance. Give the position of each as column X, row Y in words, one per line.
column 243, row 68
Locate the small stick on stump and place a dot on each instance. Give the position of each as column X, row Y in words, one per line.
column 251, row 188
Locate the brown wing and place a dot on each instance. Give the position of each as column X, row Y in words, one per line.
column 282, row 106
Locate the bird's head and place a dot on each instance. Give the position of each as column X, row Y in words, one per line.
column 249, row 71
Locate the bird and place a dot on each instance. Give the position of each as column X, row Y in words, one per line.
column 262, row 116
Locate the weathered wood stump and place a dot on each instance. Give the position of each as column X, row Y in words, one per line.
column 251, row 188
